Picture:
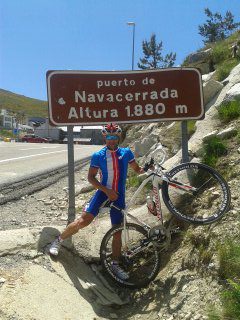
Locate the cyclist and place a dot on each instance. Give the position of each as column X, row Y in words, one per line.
column 112, row 162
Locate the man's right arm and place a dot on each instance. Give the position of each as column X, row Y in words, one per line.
column 92, row 172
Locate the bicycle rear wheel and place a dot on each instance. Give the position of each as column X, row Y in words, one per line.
column 196, row 193
column 139, row 256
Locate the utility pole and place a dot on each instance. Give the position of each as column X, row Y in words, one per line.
column 133, row 41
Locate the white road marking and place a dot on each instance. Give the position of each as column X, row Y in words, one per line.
column 31, row 156
column 38, row 148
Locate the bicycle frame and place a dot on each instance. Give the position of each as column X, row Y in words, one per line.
column 156, row 181
column 156, row 178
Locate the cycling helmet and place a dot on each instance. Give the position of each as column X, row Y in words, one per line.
column 111, row 128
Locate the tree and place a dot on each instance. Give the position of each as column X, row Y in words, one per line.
column 217, row 27
column 153, row 58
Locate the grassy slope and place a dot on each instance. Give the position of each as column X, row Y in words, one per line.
column 21, row 104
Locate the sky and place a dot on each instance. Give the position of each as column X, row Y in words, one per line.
column 41, row 35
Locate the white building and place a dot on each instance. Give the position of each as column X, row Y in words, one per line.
column 7, row 121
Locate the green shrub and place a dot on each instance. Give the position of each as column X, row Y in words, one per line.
column 224, row 69
column 210, row 160
column 213, row 314
column 220, row 52
column 230, row 304
column 231, row 301
column 213, row 148
column 229, row 257
column 229, row 111
column 229, row 269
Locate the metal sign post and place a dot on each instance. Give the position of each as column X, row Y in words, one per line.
column 185, row 157
column 71, row 179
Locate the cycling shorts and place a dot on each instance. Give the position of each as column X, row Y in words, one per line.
column 97, row 200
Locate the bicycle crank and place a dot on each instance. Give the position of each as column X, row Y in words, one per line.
column 161, row 236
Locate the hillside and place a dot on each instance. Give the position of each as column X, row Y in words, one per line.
column 21, row 104
column 200, row 271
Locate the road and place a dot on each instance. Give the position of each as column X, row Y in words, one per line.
column 18, row 160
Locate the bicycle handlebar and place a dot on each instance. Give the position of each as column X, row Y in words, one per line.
column 148, row 165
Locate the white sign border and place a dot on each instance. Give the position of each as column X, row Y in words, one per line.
column 54, row 72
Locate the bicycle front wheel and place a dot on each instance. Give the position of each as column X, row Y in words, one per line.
column 196, row 193
column 139, row 255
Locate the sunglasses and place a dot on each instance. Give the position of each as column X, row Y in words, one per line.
column 112, row 138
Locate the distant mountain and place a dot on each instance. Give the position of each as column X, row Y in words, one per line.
column 28, row 106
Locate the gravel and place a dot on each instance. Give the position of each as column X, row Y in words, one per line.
column 44, row 207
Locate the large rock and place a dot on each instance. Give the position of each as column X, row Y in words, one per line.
column 208, row 76
column 233, row 93
column 11, row 241
column 143, row 146
column 198, row 56
column 35, row 239
column 41, row 294
column 227, row 133
column 231, row 80
column 210, row 135
column 52, row 280
column 204, row 67
column 132, row 134
column 210, row 89
column 234, row 77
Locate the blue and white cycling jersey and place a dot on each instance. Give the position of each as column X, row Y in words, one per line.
column 113, row 166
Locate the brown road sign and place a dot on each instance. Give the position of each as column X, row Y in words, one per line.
column 87, row 97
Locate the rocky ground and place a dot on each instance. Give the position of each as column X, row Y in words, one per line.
column 72, row 287
column 48, row 206
column 184, row 289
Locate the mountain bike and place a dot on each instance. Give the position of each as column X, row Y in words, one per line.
column 192, row 192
